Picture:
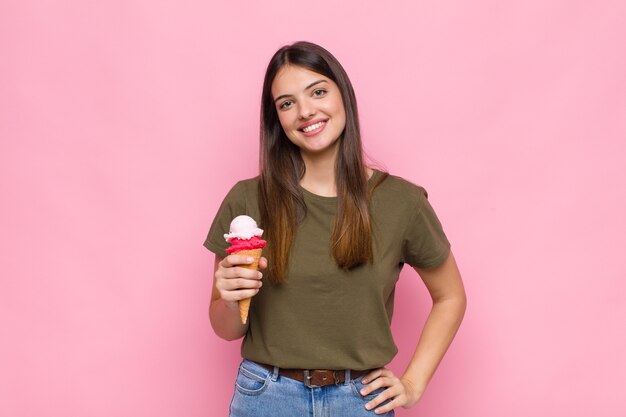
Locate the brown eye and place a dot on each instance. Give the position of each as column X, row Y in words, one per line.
column 285, row 104
column 319, row 92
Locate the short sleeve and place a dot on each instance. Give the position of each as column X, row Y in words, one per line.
column 425, row 245
column 233, row 205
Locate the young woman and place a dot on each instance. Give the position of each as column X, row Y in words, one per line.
column 338, row 233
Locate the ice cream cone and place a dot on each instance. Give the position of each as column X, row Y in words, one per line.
column 244, row 237
column 244, row 305
column 244, row 308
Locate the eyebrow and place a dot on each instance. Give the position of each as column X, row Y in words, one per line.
column 307, row 87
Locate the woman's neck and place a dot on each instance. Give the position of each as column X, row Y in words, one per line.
column 319, row 177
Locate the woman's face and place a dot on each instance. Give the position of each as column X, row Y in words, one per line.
column 310, row 109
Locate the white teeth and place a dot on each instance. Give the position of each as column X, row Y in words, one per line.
column 313, row 127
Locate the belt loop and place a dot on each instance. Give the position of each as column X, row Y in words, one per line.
column 307, row 379
column 347, row 381
column 275, row 374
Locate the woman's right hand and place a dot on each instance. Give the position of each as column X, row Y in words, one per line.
column 233, row 281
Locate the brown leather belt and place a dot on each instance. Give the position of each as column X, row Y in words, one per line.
column 316, row 377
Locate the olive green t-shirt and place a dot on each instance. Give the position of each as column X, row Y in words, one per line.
column 323, row 317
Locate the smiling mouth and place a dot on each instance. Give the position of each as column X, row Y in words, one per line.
column 313, row 127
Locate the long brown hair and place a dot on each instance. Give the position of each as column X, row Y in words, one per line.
column 281, row 202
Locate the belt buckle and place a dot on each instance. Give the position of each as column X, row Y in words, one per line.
column 308, row 377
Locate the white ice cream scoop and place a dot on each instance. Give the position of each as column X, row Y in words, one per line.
column 243, row 227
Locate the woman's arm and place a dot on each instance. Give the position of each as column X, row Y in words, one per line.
column 446, row 290
column 231, row 284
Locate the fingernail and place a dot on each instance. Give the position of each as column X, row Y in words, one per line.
column 362, row 392
column 365, row 380
column 249, row 260
column 368, row 406
column 260, row 275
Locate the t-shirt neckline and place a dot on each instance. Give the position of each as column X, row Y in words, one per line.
column 333, row 200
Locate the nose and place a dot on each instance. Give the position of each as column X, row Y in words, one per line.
column 306, row 109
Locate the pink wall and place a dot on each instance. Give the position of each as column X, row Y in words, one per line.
column 122, row 125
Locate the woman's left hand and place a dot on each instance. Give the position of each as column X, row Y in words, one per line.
column 400, row 391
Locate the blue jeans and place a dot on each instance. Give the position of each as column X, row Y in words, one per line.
column 263, row 393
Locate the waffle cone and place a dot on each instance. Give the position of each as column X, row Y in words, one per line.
column 244, row 308
column 244, row 305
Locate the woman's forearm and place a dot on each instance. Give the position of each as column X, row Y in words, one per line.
column 225, row 320
column 439, row 330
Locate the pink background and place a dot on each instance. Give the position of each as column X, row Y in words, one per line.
column 124, row 123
